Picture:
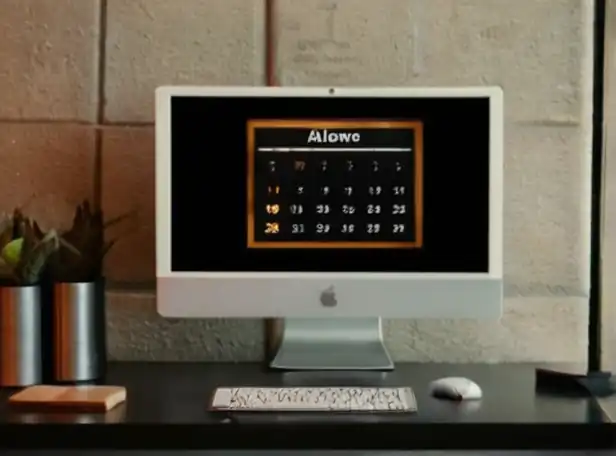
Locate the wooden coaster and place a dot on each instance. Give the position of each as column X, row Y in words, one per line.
column 98, row 399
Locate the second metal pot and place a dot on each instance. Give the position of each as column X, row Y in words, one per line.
column 79, row 332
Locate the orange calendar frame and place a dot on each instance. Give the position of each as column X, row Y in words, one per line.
column 416, row 126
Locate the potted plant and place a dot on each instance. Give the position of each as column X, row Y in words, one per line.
column 75, row 272
column 24, row 252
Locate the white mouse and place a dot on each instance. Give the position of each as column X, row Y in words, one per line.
column 456, row 389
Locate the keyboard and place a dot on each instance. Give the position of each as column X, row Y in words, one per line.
column 305, row 399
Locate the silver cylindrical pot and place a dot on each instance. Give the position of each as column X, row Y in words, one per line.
column 79, row 332
column 20, row 336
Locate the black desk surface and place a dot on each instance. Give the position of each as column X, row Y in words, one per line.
column 167, row 408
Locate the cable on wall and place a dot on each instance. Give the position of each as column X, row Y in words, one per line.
column 595, row 349
column 271, row 75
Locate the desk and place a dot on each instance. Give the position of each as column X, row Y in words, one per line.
column 166, row 409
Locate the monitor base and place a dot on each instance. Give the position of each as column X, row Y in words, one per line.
column 334, row 344
column 597, row 384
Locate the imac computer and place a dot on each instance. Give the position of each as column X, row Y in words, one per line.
column 329, row 209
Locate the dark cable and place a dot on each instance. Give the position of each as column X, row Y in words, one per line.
column 595, row 298
column 270, row 43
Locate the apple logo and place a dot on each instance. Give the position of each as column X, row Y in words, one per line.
column 328, row 297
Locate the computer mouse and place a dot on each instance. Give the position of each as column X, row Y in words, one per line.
column 455, row 389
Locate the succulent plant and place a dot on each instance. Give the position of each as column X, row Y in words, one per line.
column 84, row 262
column 25, row 249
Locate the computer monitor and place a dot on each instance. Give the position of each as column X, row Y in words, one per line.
column 330, row 208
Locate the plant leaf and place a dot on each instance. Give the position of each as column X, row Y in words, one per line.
column 11, row 253
column 83, row 246
column 37, row 230
column 69, row 246
column 120, row 218
column 108, row 246
column 32, row 266
column 6, row 230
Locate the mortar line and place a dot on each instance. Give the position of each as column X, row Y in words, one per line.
column 76, row 123
column 98, row 147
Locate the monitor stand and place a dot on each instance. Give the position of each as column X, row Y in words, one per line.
column 334, row 344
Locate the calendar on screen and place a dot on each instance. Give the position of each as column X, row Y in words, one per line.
column 334, row 184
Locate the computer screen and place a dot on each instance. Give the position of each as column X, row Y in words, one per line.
column 253, row 190
column 262, row 182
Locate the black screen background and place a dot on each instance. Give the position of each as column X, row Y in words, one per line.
column 208, row 185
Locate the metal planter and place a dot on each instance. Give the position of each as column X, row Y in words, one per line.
column 20, row 336
column 79, row 332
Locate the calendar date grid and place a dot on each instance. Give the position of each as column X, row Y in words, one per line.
column 335, row 197
column 326, row 215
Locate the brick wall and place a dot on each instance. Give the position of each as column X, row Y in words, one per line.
column 76, row 111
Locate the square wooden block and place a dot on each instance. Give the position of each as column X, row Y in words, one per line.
column 71, row 398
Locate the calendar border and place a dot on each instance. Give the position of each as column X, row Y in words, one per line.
column 415, row 125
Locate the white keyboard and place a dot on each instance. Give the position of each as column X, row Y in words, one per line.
column 330, row 399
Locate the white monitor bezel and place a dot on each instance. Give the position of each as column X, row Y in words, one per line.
column 163, row 175
column 300, row 294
